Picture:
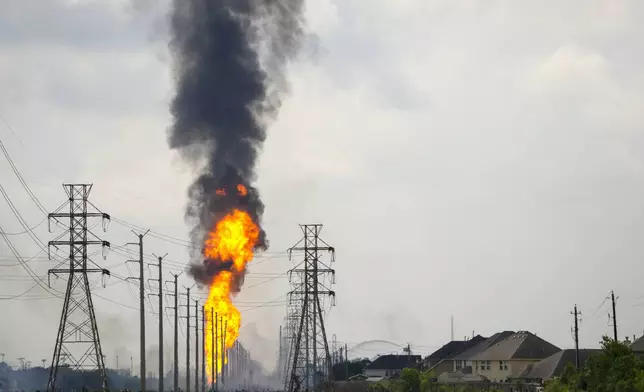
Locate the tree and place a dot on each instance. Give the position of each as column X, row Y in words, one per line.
column 409, row 381
column 616, row 368
column 428, row 381
column 354, row 367
column 379, row 387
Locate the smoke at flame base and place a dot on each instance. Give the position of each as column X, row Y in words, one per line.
column 225, row 98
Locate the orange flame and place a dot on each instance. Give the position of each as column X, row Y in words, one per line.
column 242, row 190
column 233, row 239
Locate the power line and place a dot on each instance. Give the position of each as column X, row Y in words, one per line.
column 28, row 230
column 21, row 179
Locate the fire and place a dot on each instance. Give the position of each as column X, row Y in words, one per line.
column 242, row 190
column 232, row 240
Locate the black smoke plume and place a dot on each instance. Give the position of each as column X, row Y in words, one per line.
column 230, row 58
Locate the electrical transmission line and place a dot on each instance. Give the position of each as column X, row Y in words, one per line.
column 78, row 340
column 309, row 364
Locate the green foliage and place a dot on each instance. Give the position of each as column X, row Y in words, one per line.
column 381, row 386
column 428, row 381
column 343, row 370
column 614, row 369
column 409, row 380
column 558, row 385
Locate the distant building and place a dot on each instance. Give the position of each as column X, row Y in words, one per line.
column 390, row 365
column 463, row 360
column 509, row 357
column 442, row 360
column 638, row 347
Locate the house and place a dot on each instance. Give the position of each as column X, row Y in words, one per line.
column 440, row 361
column 638, row 346
column 390, row 365
column 463, row 360
column 509, row 357
column 554, row 365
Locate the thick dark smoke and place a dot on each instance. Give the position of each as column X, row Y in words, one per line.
column 230, row 58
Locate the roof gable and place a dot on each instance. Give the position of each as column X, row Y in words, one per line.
column 453, row 348
column 554, row 365
column 520, row 345
column 482, row 345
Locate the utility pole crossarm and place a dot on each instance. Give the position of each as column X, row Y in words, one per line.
column 320, row 270
column 319, row 248
column 80, row 242
column 328, row 292
column 88, row 270
column 78, row 215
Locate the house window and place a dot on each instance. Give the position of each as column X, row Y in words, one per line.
column 503, row 365
column 487, row 365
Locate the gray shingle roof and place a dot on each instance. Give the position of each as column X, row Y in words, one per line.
column 453, row 348
column 520, row 345
column 554, row 365
column 394, row 362
column 482, row 346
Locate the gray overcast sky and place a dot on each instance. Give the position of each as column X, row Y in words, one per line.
column 481, row 159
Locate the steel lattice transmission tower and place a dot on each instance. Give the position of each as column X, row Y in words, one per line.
column 309, row 358
column 77, row 341
column 288, row 333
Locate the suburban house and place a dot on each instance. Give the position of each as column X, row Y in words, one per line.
column 390, row 365
column 440, row 361
column 509, row 357
column 638, row 346
column 463, row 360
column 553, row 366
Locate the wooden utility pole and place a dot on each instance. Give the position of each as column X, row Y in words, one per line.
column 203, row 348
column 213, row 361
column 175, row 365
column 224, row 326
column 142, row 315
column 188, row 340
column 141, row 309
column 161, row 313
column 612, row 296
column 196, row 345
column 576, row 314
column 216, row 344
